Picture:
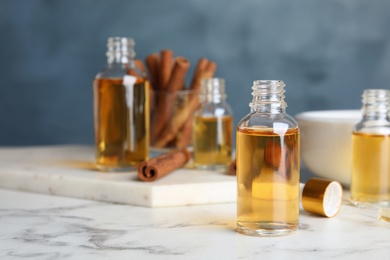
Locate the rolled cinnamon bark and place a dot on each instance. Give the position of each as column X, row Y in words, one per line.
column 182, row 122
column 176, row 81
column 200, row 67
column 166, row 66
column 183, row 139
column 185, row 127
column 170, row 132
column 177, row 123
column 232, row 168
column 204, row 69
column 204, row 73
column 153, row 63
column 211, row 67
column 162, row 165
column 164, row 106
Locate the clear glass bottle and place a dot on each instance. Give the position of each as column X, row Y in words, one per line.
column 268, row 164
column 371, row 150
column 213, row 127
column 121, row 109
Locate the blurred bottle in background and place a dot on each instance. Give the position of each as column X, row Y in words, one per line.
column 121, row 109
column 371, row 150
column 213, row 127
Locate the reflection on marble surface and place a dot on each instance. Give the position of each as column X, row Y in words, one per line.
column 47, row 227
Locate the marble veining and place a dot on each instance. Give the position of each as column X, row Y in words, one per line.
column 40, row 226
column 37, row 226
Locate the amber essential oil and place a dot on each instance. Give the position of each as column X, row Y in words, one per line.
column 371, row 168
column 213, row 141
column 121, row 123
column 268, row 181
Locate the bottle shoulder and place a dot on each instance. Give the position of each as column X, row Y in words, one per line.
column 266, row 120
column 117, row 73
column 112, row 72
column 215, row 109
column 373, row 127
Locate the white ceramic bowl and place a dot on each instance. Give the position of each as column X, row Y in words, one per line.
column 326, row 148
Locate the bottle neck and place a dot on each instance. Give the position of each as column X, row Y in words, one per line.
column 268, row 97
column 120, row 51
column 213, row 90
column 375, row 104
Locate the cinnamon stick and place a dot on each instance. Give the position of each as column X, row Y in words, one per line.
column 204, row 69
column 153, row 63
column 176, row 81
column 211, row 67
column 162, row 165
column 200, row 67
column 165, row 68
column 161, row 116
column 176, row 124
column 180, row 119
column 183, row 139
column 166, row 99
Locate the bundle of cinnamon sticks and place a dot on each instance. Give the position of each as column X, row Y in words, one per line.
column 172, row 126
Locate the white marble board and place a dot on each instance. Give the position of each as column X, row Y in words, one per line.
column 69, row 171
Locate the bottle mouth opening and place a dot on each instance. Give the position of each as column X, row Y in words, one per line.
column 376, row 100
column 268, row 86
column 375, row 95
column 124, row 41
column 268, row 93
column 120, row 48
column 279, row 83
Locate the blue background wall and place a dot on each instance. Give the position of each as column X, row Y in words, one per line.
column 327, row 52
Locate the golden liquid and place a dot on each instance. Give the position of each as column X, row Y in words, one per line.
column 268, row 181
column 370, row 168
column 213, row 141
column 121, row 123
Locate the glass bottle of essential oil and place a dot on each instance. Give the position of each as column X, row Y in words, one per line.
column 268, row 164
column 213, row 127
column 371, row 150
column 121, row 109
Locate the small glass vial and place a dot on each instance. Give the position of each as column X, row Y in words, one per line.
column 213, row 127
column 268, row 164
column 121, row 109
column 371, row 150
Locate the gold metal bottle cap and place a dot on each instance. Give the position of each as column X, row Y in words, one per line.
column 322, row 197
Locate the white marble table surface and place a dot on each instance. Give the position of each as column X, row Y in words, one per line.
column 38, row 226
